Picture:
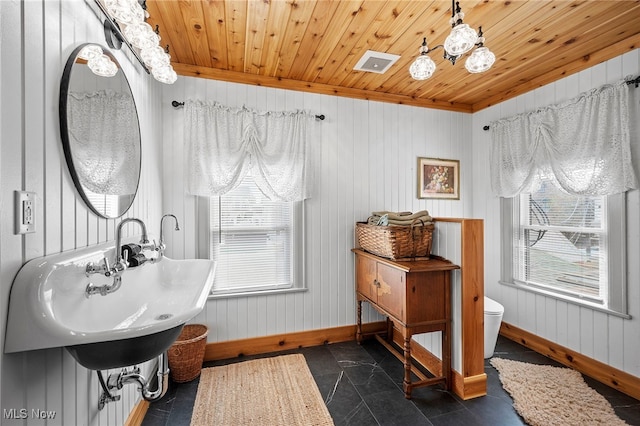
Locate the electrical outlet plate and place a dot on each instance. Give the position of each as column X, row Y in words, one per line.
column 25, row 213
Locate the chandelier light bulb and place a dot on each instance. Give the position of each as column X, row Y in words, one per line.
column 480, row 60
column 461, row 40
column 141, row 35
column 165, row 74
column 155, row 57
column 125, row 11
column 422, row 68
column 103, row 66
column 90, row 51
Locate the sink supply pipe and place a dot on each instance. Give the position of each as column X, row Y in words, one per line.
column 118, row 380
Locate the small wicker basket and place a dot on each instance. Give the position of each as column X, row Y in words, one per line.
column 187, row 353
column 396, row 242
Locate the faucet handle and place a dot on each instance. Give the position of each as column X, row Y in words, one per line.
column 106, row 267
column 119, row 267
column 149, row 246
column 98, row 268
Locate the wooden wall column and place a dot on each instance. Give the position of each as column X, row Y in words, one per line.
column 471, row 382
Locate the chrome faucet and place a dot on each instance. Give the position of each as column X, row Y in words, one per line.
column 162, row 246
column 119, row 265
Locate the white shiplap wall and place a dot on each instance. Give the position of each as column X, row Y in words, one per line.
column 368, row 162
column 35, row 40
column 606, row 338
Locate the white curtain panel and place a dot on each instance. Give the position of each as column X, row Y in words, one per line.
column 582, row 145
column 223, row 144
column 106, row 158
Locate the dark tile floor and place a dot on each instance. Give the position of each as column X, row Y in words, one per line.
column 362, row 385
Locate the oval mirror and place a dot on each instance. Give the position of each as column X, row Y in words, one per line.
column 100, row 130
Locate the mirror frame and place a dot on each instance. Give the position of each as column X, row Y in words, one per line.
column 64, row 130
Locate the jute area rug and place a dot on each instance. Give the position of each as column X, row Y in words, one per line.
column 545, row 395
column 268, row 391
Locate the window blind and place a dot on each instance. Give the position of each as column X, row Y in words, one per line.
column 562, row 242
column 251, row 239
column 109, row 204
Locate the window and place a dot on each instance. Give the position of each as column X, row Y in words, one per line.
column 108, row 204
column 568, row 246
column 257, row 242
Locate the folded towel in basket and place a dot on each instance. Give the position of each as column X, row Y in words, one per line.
column 400, row 218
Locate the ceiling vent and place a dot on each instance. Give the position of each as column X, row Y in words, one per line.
column 377, row 62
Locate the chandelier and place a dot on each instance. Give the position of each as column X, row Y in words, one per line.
column 461, row 40
column 126, row 24
column 97, row 61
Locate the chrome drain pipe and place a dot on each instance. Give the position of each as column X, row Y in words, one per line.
column 118, row 380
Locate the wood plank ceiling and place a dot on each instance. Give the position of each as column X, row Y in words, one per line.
column 313, row 45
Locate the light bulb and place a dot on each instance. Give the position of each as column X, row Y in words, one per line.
column 422, row 68
column 90, row 51
column 461, row 40
column 125, row 11
column 141, row 35
column 103, row 66
column 164, row 74
column 480, row 60
column 155, row 57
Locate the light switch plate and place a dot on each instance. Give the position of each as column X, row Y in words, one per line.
column 25, row 212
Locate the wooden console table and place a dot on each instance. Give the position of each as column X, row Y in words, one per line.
column 415, row 296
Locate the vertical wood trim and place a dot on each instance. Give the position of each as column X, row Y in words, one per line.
column 472, row 270
column 472, row 297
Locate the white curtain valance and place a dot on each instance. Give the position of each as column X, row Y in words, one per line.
column 223, row 144
column 582, row 145
column 106, row 158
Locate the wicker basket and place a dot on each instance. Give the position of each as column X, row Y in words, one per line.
column 187, row 353
column 396, row 242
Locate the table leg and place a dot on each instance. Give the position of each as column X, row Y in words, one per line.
column 407, row 367
column 389, row 330
column 446, row 355
column 359, row 322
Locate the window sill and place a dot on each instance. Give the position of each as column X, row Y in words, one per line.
column 574, row 301
column 256, row 293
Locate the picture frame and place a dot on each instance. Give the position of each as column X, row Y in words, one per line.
column 438, row 178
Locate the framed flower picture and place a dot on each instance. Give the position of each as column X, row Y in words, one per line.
column 438, row 178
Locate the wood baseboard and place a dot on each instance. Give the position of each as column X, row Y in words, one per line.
column 137, row 414
column 469, row 387
column 465, row 388
column 610, row 376
column 281, row 342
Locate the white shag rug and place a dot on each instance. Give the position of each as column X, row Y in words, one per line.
column 545, row 395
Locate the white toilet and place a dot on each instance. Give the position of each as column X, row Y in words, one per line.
column 493, row 312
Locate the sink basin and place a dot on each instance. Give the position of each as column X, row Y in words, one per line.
column 124, row 352
column 48, row 307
